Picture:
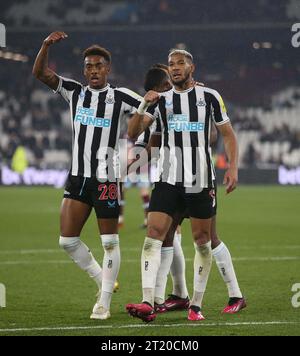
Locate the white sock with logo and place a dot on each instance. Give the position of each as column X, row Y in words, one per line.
column 162, row 274
column 226, row 269
column 82, row 256
column 178, row 269
column 202, row 267
column 111, row 267
column 150, row 262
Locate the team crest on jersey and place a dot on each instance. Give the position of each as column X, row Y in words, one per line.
column 200, row 102
column 110, row 99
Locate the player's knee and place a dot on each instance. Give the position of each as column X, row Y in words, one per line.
column 69, row 243
column 110, row 242
column 151, row 245
column 201, row 237
column 203, row 248
column 156, row 232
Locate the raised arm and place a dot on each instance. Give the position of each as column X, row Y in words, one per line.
column 231, row 149
column 40, row 68
column 139, row 122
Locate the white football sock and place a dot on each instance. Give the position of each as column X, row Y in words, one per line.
column 111, row 267
column 82, row 256
column 162, row 274
column 150, row 263
column 178, row 269
column 225, row 266
column 202, row 266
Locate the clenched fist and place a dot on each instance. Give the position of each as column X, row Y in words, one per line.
column 151, row 97
column 55, row 37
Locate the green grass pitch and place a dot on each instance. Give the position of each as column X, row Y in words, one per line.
column 49, row 295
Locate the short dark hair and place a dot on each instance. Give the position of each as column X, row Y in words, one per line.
column 154, row 78
column 96, row 50
column 161, row 66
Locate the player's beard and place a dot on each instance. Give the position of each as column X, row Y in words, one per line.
column 183, row 81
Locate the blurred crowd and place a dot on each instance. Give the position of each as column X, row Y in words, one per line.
column 33, row 117
column 260, row 87
column 116, row 12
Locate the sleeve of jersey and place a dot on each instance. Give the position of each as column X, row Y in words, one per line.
column 66, row 87
column 131, row 99
column 219, row 110
column 152, row 112
column 144, row 138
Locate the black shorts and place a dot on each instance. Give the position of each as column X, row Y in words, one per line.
column 184, row 213
column 170, row 199
column 103, row 197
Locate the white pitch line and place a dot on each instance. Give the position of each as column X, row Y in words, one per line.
column 50, row 251
column 270, row 258
column 238, row 259
column 133, row 326
column 29, row 252
column 270, row 247
column 14, row 263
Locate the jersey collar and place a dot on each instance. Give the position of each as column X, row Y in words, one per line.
column 99, row 90
column 183, row 91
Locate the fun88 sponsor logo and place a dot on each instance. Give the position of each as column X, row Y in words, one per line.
column 87, row 117
column 180, row 122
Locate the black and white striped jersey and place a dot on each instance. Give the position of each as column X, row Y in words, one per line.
column 96, row 116
column 186, row 118
column 144, row 138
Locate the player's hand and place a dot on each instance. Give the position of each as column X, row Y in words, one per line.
column 199, row 84
column 231, row 179
column 55, row 37
column 151, row 97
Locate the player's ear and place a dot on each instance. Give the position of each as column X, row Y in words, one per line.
column 193, row 68
column 84, row 70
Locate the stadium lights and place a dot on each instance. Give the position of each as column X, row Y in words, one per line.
column 262, row 45
column 13, row 56
column 267, row 45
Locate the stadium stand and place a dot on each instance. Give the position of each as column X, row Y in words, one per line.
column 261, row 87
column 93, row 12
